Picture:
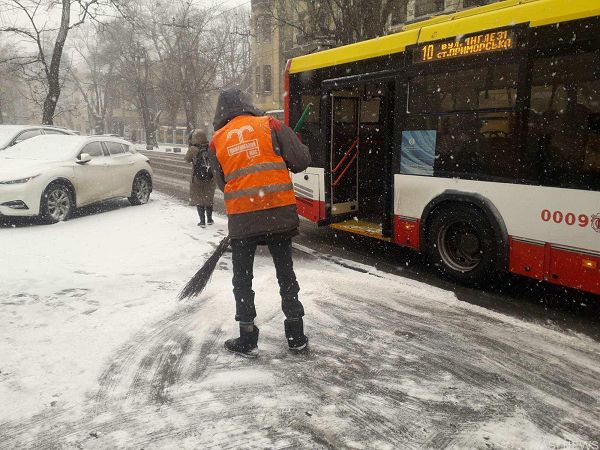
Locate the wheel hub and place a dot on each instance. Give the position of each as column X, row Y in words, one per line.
column 459, row 246
column 59, row 204
column 142, row 190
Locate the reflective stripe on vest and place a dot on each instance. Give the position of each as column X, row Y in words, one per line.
column 256, row 177
column 254, row 169
column 259, row 191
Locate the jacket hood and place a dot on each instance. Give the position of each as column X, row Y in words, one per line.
column 233, row 103
column 198, row 138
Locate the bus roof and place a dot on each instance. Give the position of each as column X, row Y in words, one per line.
column 502, row 14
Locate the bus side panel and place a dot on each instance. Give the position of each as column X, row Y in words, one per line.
column 570, row 268
column 310, row 193
column 574, row 269
column 527, row 258
column 554, row 233
column 406, row 231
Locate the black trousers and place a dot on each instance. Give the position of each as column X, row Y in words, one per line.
column 243, row 272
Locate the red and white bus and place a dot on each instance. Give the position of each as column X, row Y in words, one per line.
column 473, row 137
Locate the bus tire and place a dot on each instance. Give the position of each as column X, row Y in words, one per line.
column 461, row 243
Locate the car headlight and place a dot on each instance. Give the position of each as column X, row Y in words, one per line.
column 20, row 180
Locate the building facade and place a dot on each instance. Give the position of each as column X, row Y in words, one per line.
column 277, row 38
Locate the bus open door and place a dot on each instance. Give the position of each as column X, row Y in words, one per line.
column 360, row 156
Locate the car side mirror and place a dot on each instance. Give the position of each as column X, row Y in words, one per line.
column 84, row 158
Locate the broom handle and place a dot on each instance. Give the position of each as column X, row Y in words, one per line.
column 303, row 117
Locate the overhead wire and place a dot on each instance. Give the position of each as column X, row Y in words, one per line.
column 231, row 9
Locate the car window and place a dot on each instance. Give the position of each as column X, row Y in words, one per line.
column 126, row 148
column 52, row 131
column 27, row 135
column 114, row 148
column 94, row 149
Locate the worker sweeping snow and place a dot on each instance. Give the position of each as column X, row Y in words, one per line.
column 251, row 155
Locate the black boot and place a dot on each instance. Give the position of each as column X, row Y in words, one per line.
column 294, row 332
column 245, row 345
column 209, row 219
column 201, row 210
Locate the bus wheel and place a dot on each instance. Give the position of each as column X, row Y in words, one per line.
column 462, row 244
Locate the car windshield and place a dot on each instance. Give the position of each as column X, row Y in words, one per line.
column 7, row 133
column 45, row 148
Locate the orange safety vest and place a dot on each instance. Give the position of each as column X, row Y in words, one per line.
column 256, row 178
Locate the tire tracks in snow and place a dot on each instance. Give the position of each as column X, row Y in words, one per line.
column 389, row 367
column 141, row 372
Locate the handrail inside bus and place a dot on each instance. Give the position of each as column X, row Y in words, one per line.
column 339, row 164
column 338, row 179
column 354, row 144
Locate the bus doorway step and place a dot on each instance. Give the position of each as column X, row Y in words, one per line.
column 369, row 229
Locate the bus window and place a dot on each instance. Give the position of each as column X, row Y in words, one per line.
column 471, row 113
column 564, row 121
column 477, row 146
column 369, row 112
column 345, row 111
column 310, row 132
column 466, row 90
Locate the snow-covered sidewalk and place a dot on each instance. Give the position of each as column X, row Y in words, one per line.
column 96, row 352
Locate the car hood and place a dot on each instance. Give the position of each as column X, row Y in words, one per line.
column 14, row 169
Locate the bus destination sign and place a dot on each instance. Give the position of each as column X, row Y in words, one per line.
column 478, row 44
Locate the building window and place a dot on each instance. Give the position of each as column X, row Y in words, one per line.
column 425, row 7
column 264, row 29
column 257, row 79
column 267, row 79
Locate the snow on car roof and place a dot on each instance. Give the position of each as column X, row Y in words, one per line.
column 46, row 148
column 7, row 132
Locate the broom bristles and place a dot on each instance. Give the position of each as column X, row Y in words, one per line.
column 196, row 285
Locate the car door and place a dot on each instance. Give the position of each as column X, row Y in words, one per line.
column 121, row 166
column 92, row 180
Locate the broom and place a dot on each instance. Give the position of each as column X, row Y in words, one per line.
column 196, row 285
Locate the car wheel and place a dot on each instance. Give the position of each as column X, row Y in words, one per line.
column 57, row 203
column 461, row 243
column 140, row 192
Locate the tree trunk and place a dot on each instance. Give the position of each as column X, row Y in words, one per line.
column 146, row 115
column 53, row 72
column 1, row 113
column 146, row 118
column 190, row 113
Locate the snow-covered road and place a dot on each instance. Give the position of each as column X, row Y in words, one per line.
column 95, row 352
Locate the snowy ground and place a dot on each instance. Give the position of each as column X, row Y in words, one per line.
column 95, row 352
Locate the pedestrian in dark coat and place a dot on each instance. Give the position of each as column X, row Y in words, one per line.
column 202, row 191
column 251, row 155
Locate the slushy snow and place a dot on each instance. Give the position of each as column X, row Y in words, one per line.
column 96, row 352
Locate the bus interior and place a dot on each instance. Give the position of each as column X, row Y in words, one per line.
column 359, row 149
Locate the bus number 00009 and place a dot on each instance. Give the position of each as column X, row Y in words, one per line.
column 569, row 218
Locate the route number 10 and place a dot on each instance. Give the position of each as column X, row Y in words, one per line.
column 427, row 53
